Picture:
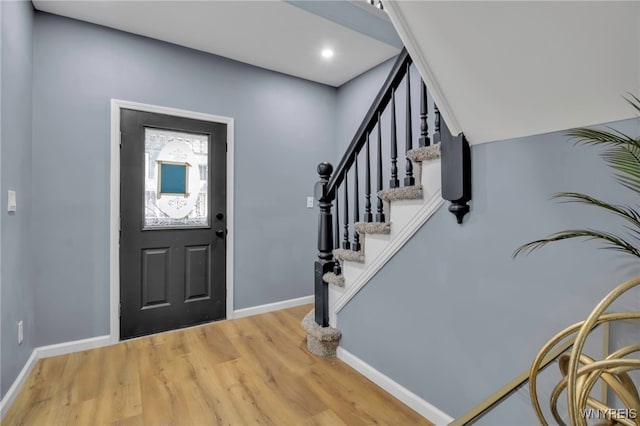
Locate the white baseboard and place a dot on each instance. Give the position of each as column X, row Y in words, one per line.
column 74, row 346
column 46, row 352
column 276, row 306
column 11, row 394
column 413, row 401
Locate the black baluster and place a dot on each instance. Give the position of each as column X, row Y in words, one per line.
column 356, row 207
column 325, row 244
column 423, row 140
column 394, row 182
column 336, row 235
column 368, row 217
column 409, row 180
column 345, row 242
column 436, row 124
column 380, row 214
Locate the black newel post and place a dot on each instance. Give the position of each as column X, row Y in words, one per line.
column 324, row 263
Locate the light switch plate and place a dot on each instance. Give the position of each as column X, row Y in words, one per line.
column 309, row 202
column 11, row 201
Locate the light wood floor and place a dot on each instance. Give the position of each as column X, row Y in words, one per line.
column 249, row 371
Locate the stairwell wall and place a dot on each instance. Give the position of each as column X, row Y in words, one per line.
column 452, row 317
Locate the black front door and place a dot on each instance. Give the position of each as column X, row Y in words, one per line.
column 173, row 222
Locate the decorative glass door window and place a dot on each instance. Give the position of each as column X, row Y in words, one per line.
column 176, row 179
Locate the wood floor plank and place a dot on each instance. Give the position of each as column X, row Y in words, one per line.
column 249, row 371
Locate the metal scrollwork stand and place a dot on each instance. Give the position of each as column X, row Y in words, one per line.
column 581, row 373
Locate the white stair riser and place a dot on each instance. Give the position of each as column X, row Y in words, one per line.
column 401, row 213
column 375, row 245
column 335, row 293
column 351, row 271
column 431, row 178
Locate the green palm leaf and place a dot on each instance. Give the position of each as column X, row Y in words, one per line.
column 626, row 161
column 624, row 212
column 611, row 241
column 584, row 136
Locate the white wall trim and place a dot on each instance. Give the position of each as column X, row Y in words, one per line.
column 276, row 306
column 413, row 401
column 114, row 227
column 70, row 347
column 13, row 391
column 421, row 216
column 46, row 352
column 400, row 24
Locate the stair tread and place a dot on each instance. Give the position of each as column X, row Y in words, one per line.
column 334, row 279
column 344, row 254
column 323, row 333
column 425, row 153
column 373, row 227
column 404, row 193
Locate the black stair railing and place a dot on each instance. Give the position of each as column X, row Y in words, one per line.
column 332, row 181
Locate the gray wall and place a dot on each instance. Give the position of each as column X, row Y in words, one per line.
column 353, row 101
column 283, row 129
column 16, row 286
column 452, row 316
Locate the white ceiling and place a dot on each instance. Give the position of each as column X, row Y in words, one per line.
column 505, row 69
column 271, row 34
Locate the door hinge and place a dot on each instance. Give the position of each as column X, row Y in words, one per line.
column 120, row 139
column 119, row 309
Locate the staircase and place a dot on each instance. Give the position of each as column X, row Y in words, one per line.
column 352, row 247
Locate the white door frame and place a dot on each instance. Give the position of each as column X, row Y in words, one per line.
column 114, row 227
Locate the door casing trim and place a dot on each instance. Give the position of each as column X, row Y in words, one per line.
column 114, row 202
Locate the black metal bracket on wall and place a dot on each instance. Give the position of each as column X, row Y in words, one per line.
column 455, row 156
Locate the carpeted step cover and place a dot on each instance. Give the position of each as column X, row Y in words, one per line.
column 353, row 256
column 334, row 279
column 405, row 193
column 321, row 341
column 373, row 227
column 426, row 153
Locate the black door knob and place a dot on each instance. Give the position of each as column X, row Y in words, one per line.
column 220, row 216
column 220, row 233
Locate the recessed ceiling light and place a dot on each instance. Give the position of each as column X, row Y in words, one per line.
column 327, row 53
